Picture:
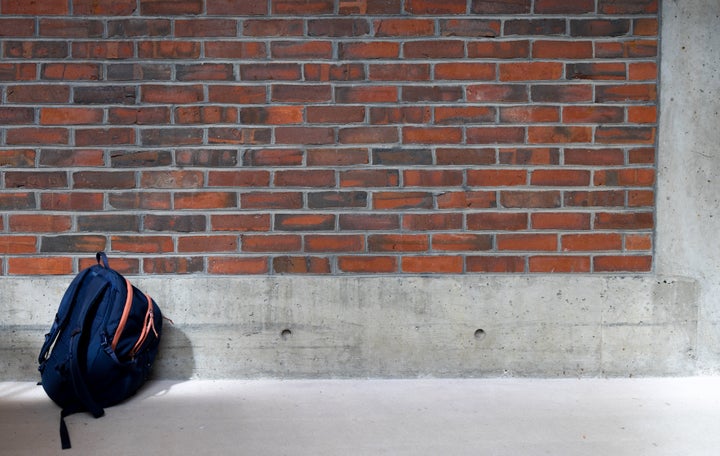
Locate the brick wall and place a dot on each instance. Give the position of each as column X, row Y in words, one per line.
column 328, row 137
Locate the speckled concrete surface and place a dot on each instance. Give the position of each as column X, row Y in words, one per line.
column 664, row 416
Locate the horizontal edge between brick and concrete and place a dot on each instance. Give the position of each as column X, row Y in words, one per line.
column 454, row 326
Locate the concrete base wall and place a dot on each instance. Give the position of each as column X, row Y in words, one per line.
column 385, row 327
column 662, row 324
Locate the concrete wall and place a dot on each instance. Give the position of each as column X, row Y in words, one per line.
column 664, row 323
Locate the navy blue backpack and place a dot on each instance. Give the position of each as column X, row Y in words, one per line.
column 102, row 343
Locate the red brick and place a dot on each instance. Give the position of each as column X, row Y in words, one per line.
column 624, row 135
column 302, row 7
column 564, row 7
column 170, row 7
column 431, row 135
column 505, row 93
column 591, row 242
column 434, row 7
column 530, row 199
column 271, row 243
column 273, row 157
column 369, row 222
column 17, row 71
column 237, row 94
column 465, row 156
column 470, row 27
column 531, row 71
column 596, row 71
column 268, row 27
column 71, row 71
column 594, row 157
column 240, row 222
column 642, row 114
column 467, row 200
column 335, row 114
column 142, row 244
column 271, row 200
column 34, row 8
column 205, row 72
column 432, row 222
column 618, row 263
column 560, row 221
column 529, row 114
column 369, row 50
column 495, row 135
column 204, row 200
column 205, row 27
column 301, row 50
column 338, row 27
column 629, row 177
column 529, row 156
column 497, row 221
column 560, row 177
column 556, row 49
column 638, row 242
column 432, row 264
column 465, row 71
column 558, row 263
column 368, row 264
column 560, row 134
column 527, row 242
column 500, row 7
column 139, row 116
column 301, row 265
column 36, row 223
column 184, row 115
column 19, row 158
column 69, row 116
column 103, row 7
column 593, row 114
column 235, row 8
column 366, row 94
column 432, row 178
column 17, row 116
column 496, row 177
column 338, row 72
column 398, row 242
column 369, row 178
column 17, row 27
column 173, row 265
column 395, row 27
column 304, row 222
column 304, row 135
column 36, row 136
column 137, row 200
column 116, row 50
column 211, row 243
column 300, row 93
column 172, row 94
column 38, row 93
column 337, row 157
column 461, row 241
column 569, row 93
column 36, row 179
column 36, row 265
column 17, row 244
column 640, row 198
column 170, row 136
column 246, row 50
column 243, row 178
column 643, row 155
column 334, row 243
column 624, row 220
column 399, row 72
column 234, row 265
column 626, row 93
column 104, row 136
column 518, row 49
column 229, row 135
column 600, row 27
column 628, row 6
column 168, row 49
column 364, row 135
column 594, row 198
column 17, row 200
column 646, row 27
column 435, row 49
column 495, row 264
column 272, row 115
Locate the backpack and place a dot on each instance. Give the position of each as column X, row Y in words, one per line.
column 102, row 344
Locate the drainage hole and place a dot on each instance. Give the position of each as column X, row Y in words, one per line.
column 479, row 334
column 285, row 334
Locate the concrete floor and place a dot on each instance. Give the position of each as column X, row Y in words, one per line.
column 518, row 417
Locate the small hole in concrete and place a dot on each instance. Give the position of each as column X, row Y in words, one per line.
column 285, row 334
column 479, row 334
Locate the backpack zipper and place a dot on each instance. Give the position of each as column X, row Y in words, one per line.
column 125, row 315
column 147, row 326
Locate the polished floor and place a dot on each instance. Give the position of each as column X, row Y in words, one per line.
column 513, row 417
